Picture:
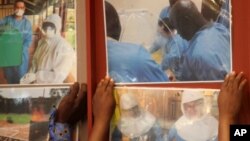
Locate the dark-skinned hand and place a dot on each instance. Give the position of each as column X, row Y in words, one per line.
column 229, row 100
column 73, row 106
column 103, row 101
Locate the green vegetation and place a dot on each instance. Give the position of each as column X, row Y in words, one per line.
column 16, row 118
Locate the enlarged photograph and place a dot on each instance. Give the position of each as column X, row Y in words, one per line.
column 25, row 112
column 166, row 41
column 37, row 40
column 165, row 114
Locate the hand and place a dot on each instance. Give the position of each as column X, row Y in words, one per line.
column 229, row 100
column 171, row 75
column 103, row 101
column 73, row 106
column 103, row 108
column 28, row 78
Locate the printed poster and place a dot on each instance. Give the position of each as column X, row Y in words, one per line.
column 153, row 114
column 24, row 112
column 168, row 41
column 41, row 47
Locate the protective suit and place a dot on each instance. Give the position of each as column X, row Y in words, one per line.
column 193, row 125
column 173, row 48
column 53, row 58
column 14, row 74
column 165, row 12
column 224, row 15
column 132, row 63
column 139, row 126
column 208, row 54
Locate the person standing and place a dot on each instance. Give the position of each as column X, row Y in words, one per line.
column 208, row 53
column 128, row 62
column 23, row 25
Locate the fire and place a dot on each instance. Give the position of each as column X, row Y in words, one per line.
column 38, row 115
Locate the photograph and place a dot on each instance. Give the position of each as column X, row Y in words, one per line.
column 165, row 114
column 25, row 112
column 166, row 41
column 38, row 41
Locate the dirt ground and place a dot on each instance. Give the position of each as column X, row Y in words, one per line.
column 15, row 132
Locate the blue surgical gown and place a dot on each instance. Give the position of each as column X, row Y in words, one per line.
column 174, row 49
column 224, row 15
column 208, row 54
column 14, row 74
column 132, row 63
column 165, row 12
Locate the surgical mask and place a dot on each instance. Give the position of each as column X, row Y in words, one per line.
column 49, row 33
column 19, row 12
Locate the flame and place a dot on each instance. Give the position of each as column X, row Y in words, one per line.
column 38, row 115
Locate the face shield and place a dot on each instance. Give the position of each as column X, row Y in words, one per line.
column 192, row 104
column 194, row 109
column 134, row 121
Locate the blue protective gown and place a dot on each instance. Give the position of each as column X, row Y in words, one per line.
column 224, row 15
column 13, row 74
column 132, row 63
column 208, row 54
column 172, row 48
column 165, row 12
column 173, row 51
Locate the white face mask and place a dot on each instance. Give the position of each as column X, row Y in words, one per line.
column 19, row 12
column 49, row 33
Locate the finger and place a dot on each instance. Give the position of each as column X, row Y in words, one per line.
column 106, row 83
column 74, row 91
column 82, row 94
column 242, row 84
column 231, row 79
column 225, row 83
column 238, row 79
column 110, row 86
column 99, row 85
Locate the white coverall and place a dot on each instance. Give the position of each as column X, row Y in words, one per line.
column 53, row 60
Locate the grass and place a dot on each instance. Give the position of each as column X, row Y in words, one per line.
column 16, row 118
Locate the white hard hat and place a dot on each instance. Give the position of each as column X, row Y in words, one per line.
column 191, row 95
column 127, row 101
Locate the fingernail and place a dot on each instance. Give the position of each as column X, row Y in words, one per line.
column 233, row 72
column 112, row 79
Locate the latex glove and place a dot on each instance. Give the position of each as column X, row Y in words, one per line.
column 28, row 78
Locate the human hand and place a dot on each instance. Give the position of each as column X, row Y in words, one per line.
column 28, row 78
column 171, row 75
column 103, row 108
column 229, row 100
column 73, row 106
column 103, row 101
